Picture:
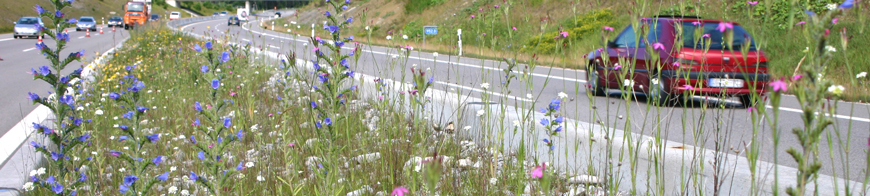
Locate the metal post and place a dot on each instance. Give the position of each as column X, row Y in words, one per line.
column 459, row 34
column 312, row 29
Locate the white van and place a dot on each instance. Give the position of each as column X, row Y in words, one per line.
column 174, row 16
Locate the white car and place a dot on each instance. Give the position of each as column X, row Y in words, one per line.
column 174, row 16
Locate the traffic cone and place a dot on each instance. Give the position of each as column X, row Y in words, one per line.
column 101, row 29
column 88, row 33
column 39, row 40
column 113, row 28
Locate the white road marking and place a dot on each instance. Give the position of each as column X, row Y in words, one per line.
column 7, row 39
column 81, row 37
column 482, row 91
column 548, row 76
column 29, row 49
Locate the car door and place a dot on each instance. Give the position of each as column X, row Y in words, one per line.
column 621, row 51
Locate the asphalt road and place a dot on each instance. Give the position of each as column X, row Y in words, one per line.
column 726, row 119
column 20, row 55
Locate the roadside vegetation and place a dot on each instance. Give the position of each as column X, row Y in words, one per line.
column 181, row 115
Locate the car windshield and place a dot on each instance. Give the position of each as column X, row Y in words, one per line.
column 27, row 21
column 135, row 7
column 717, row 38
column 86, row 20
column 155, row 16
column 116, row 18
column 174, row 13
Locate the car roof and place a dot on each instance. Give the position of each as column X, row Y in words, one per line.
column 87, row 17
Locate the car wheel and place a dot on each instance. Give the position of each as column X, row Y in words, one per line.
column 592, row 81
column 746, row 100
column 658, row 93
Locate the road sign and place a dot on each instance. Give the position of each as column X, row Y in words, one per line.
column 430, row 30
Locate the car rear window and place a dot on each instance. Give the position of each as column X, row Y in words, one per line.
column 86, row 20
column 628, row 37
column 175, row 13
column 27, row 21
column 717, row 38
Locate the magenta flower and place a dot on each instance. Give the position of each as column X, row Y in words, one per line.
column 676, row 64
column 399, row 191
column 564, row 34
column 796, row 77
column 657, row 46
column 706, row 35
column 496, row 6
column 750, row 109
column 315, row 49
column 779, row 86
column 481, row 9
column 608, row 28
column 696, row 23
column 688, row 87
column 752, row 2
column 801, row 22
column 515, row 28
column 538, row 172
column 724, row 26
column 617, row 66
column 472, row 16
column 835, row 20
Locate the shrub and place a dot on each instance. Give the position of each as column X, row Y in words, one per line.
column 586, row 24
column 417, row 6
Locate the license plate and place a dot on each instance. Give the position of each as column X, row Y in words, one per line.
column 726, row 83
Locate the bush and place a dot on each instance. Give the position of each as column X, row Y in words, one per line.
column 417, row 6
column 586, row 24
column 779, row 11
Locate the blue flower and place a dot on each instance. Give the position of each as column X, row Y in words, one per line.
column 123, row 127
column 546, row 141
column 130, row 179
column 215, row 83
column 72, row 21
column 344, row 7
column 55, row 156
column 240, row 134
column 58, row 14
column 350, row 39
column 197, row 106
column 122, row 138
column 68, row 100
column 163, row 177
column 208, row 45
column 811, row 13
column 200, row 155
column 82, row 177
column 204, row 69
column 128, row 115
column 316, row 66
column 32, row 96
column 327, row 121
column 137, row 87
column 239, row 166
column 346, row 1
column 313, row 105
column 123, row 188
column 114, row 95
column 153, row 138
column 141, row 108
column 84, row 137
column 39, row 10
column 193, row 176
column 330, row 28
column 344, row 63
column 157, row 160
column 350, row 74
column 323, row 79
column 225, row 56
column 847, row 4
column 349, row 20
column 197, row 48
column 196, row 123
column 57, row 188
column 193, row 139
column 318, row 124
column 545, row 122
column 558, row 129
column 431, row 78
column 559, row 120
column 555, row 104
column 339, row 44
column 227, row 122
column 327, row 14
column 44, row 70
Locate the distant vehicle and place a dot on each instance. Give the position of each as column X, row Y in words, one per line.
column 174, row 15
column 215, row 14
column 26, row 27
column 135, row 13
column 224, row 13
column 155, row 17
column 703, row 69
column 233, row 20
column 278, row 14
column 116, row 21
column 86, row 23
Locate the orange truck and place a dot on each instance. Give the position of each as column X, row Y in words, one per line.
column 135, row 13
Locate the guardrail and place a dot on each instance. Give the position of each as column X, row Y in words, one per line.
column 184, row 21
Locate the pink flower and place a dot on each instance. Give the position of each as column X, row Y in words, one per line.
column 706, row 35
column 472, row 16
column 608, row 28
column 657, row 46
column 210, row 145
column 496, row 6
column 688, row 87
column 270, row 115
column 399, row 191
column 317, row 38
column 617, row 66
column 696, row 23
column 481, row 9
column 232, row 94
column 724, row 26
column 750, row 109
column 796, row 77
column 290, row 145
column 800, row 23
column 380, row 97
column 835, row 20
column 676, row 64
column 315, row 49
column 538, row 172
column 515, row 28
column 752, row 2
column 564, row 34
column 484, row 33
column 779, row 86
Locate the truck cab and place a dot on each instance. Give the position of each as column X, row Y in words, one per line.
column 135, row 13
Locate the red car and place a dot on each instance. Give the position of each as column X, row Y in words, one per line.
column 683, row 64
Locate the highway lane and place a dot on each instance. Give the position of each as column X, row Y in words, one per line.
column 20, row 55
column 680, row 124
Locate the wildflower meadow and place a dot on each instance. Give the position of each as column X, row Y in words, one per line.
column 178, row 113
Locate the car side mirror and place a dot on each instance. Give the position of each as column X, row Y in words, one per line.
column 14, row 22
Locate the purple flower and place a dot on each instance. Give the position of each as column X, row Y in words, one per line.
column 84, row 137
column 239, row 166
column 559, row 120
column 545, row 122
column 225, row 56
column 724, row 26
column 114, row 95
column 193, row 139
column 57, row 188
column 327, row 121
column 330, row 28
column 72, row 21
column 128, row 115
column 141, row 108
column 318, row 125
column 197, row 106
column 68, row 100
column 32, row 96
column 349, row 20
column 657, row 46
column 208, row 45
column 555, row 104
column 193, row 176
column 55, row 156
column 313, row 105
column 847, row 4
column 130, row 179
column 122, row 138
column 197, row 48
column 227, row 122
column 779, row 86
column 123, row 127
column 215, row 83
column 200, row 155
column 327, row 14
column 39, row 9
column 114, row 153
column 810, row 13
column 196, row 123
column 157, row 160
column 44, row 70
column 137, row 87
column 58, row 14
column 82, row 177
column 240, row 134
column 123, row 188
column 163, row 177
column 344, row 7
column 153, row 138
column 204, row 69
column 558, row 129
